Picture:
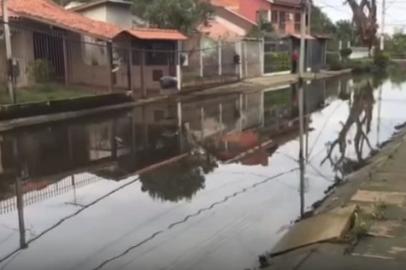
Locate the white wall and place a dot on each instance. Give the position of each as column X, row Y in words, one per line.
column 22, row 44
column 119, row 15
column 359, row 53
column 98, row 13
column 115, row 14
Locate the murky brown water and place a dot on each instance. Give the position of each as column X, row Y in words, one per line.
column 205, row 183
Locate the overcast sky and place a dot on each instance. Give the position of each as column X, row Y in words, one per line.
column 395, row 12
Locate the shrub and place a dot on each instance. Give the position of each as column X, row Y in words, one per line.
column 361, row 65
column 278, row 61
column 381, row 60
column 336, row 66
column 333, row 61
column 40, row 71
column 345, row 53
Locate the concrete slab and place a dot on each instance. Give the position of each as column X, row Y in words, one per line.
column 331, row 256
column 385, row 228
column 381, row 247
column 330, row 226
column 391, row 198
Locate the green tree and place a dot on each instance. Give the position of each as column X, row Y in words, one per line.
column 320, row 23
column 183, row 15
column 345, row 31
column 396, row 46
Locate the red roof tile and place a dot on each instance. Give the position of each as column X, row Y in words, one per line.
column 156, row 34
column 234, row 4
column 50, row 13
column 217, row 31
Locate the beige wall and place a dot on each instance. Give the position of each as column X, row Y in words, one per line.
column 98, row 13
column 119, row 15
column 82, row 73
column 115, row 14
column 23, row 52
column 239, row 25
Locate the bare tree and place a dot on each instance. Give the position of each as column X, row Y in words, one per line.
column 365, row 20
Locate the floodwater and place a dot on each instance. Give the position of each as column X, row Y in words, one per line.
column 207, row 182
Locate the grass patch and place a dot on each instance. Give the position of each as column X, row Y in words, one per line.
column 378, row 212
column 360, row 226
column 44, row 92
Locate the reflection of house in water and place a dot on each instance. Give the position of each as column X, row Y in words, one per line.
column 237, row 127
column 114, row 147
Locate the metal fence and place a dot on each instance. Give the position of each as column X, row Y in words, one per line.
column 218, row 61
column 36, row 192
column 59, row 64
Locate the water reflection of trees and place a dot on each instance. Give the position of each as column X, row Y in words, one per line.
column 179, row 180
column 359, row 119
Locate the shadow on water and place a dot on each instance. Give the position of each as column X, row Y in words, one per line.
column 170, row 151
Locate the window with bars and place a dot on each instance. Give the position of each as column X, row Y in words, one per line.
column 297, row 22
column 274, row 17
column 282, row 21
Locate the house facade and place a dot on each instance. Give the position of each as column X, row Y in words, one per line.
column 117, row 12
column 86, row 52
column 284, row 15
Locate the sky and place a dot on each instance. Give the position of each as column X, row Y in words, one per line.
column 395, row 12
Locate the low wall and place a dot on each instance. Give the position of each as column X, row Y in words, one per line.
column 8, row 112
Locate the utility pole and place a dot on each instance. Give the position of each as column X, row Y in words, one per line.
column 304, row 6
column 9, row 54
column 382, row 43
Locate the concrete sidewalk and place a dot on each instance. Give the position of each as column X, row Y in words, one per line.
column 377, row 239
column 267, row 82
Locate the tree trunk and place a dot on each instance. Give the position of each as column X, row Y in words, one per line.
column 364, row 17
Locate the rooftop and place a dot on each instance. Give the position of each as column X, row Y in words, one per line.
column 50, row 13
column 95, row 3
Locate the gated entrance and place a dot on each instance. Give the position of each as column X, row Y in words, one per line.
column 50, row 48
column 277, row 55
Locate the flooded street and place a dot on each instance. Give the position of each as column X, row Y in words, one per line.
column 205, row 182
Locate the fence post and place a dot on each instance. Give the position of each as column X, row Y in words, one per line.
column 221, row 117
column 220, row 57
column 262, row 56
column 202, row 121
column 110, row 65
column 142, row 72
column 130, row 68
column 262, row 109
column 19, row 195
column 240, row 105
column 178, row 66
column 9, row 54
column 201, row 59
column 65, row 60
column 239, row 52
column 245, row 59
column 340, row 47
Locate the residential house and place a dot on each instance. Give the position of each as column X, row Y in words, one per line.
column 284, row 16
column 223, row 48
column 158, row 45
column 117, row 12
column 84, row 51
